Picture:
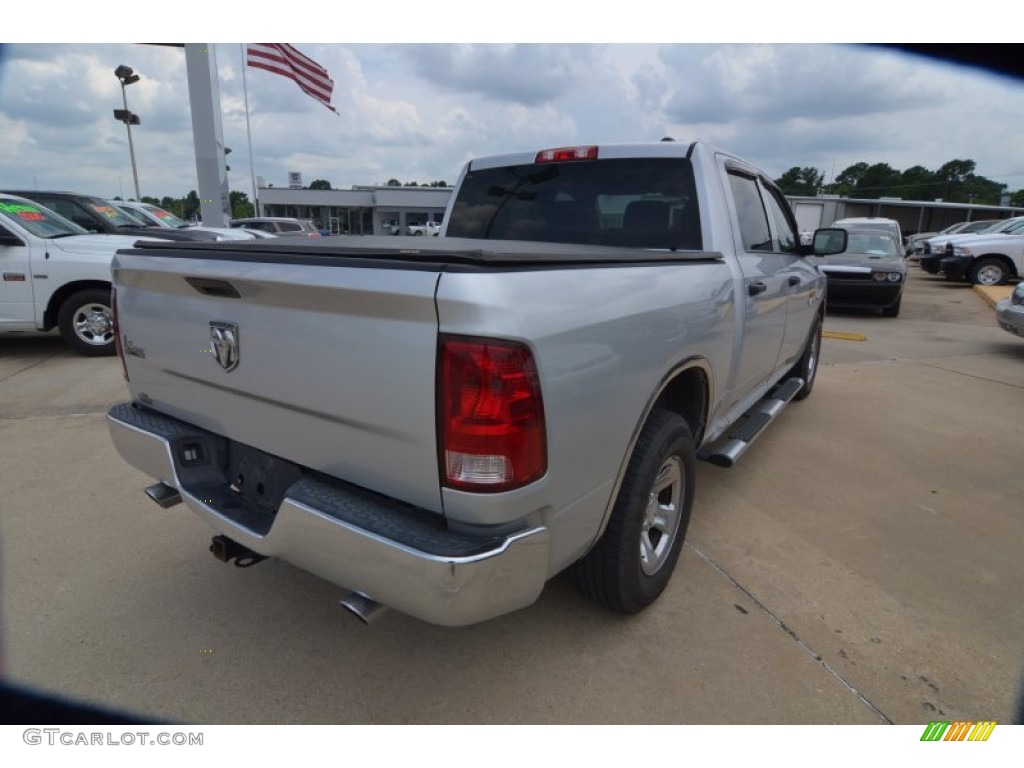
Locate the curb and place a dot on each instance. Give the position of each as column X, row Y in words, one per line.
column 992, row 294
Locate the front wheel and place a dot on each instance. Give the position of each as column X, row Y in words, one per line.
column 893, row 310
column 86, row 323
column 632, row 562
column 988, row 272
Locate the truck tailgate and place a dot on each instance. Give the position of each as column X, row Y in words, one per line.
column 330, row 366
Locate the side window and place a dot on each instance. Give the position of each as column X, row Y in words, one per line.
column 787, row 239
column 753, row 220
column 289, row 226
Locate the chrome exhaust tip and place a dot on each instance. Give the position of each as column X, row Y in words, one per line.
column 164, row 495
column 364, row 608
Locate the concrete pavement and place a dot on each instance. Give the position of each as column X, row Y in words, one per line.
column 859, row 565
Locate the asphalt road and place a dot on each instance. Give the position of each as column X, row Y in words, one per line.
column 861, row 564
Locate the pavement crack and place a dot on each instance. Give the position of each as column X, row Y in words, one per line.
column 782, row 625
column 27, row 367
column 969, row 375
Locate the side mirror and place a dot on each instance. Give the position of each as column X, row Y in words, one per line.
column 828, row 242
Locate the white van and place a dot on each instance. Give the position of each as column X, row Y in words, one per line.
column 872, row 222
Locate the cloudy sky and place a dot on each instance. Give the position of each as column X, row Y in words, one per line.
column 418, row 111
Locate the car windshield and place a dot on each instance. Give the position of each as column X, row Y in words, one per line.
column 166, row 218
column 40, row 221
column 874, row 245
column 645, row 203
column 135, row 216
column 116, row 216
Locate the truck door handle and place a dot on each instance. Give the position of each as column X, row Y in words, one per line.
column 755, row 288
column 794, row 280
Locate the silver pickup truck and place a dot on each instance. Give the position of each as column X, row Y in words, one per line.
column 441, row 428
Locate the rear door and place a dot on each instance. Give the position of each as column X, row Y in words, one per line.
column 765, row 284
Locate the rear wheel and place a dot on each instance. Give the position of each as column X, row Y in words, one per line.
column 988, row 272
column 86, row 323
column 631, row 564
column 806, row 367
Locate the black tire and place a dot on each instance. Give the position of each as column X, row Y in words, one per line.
column 988, row 272
column 86, row 323
column 632, row 562
column 893, row 310
column 806, row 367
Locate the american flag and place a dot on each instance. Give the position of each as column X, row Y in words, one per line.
column 284, row 59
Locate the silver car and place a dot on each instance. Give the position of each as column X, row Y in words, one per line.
column 279, row 226
column 1010, row 311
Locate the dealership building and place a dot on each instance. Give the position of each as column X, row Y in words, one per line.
column 384, row 210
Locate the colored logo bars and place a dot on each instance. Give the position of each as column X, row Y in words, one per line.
column 959, row 730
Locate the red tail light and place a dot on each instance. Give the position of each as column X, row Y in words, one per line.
column 490, row 415
column 117, row 332
column 565, row 154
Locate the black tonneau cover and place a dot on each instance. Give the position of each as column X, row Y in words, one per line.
column 426, row 253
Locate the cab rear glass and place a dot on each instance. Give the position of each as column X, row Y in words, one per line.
column 638, row 202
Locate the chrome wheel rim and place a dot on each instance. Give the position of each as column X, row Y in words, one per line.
column 93, row 324
column 661, row 517
column 812, row 358
column 990, row 274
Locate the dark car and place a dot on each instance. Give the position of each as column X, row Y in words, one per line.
column 868, row 274
column 101, row 217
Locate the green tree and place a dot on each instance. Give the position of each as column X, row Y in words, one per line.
column 1017, row 198
column 241, row 207
column 801, row 181
column 393, row 183
column 917, row 183
column 848, row 179
column 878, row 180
column 191, row 205
column 319, row 184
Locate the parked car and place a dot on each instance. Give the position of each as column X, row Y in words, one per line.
column 279, row 226
column 868, row 274
column 986, row 259
column 1010, row 311
column 872, row 223
column 98, row 216
column 938, row 248
column 915, row 243
column 154, row 215
column 430, row 229
column 259, row 234
column 56, row 275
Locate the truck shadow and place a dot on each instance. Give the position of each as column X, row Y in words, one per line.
column 32, row 346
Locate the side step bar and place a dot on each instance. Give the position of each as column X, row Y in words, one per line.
column 726, row 451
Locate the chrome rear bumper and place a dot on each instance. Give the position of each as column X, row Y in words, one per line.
column 401, row 557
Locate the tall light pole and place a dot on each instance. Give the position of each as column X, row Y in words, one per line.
column 126, row 75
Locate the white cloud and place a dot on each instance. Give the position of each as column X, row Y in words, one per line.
column 417, row 112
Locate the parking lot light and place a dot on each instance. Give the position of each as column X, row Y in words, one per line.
column 126, row 75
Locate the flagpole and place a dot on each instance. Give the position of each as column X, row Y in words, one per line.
column 248, row 131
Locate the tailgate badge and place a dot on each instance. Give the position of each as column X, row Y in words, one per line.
column 224, row 344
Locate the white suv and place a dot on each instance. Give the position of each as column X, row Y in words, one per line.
column 282, row 227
